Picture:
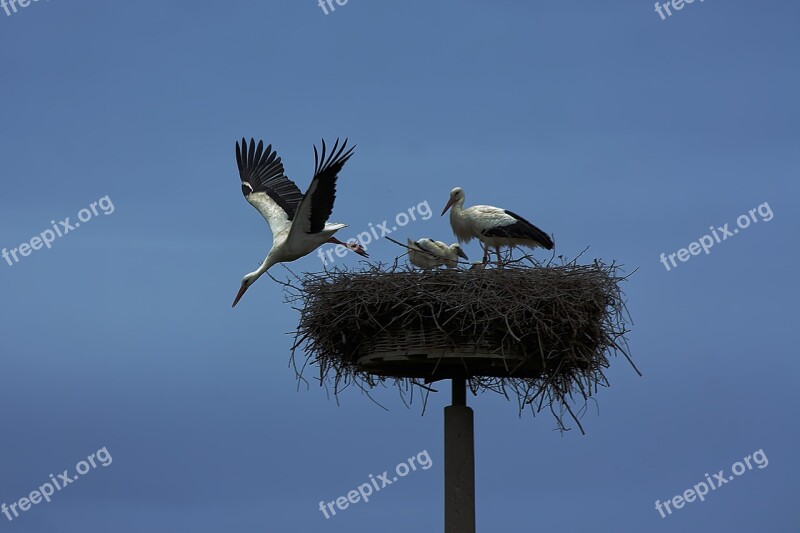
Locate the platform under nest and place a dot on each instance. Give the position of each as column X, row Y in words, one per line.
column 542, row 333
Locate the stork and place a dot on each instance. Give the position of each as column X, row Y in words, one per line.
column 492, row 226
column 299, row 222
column 427, row 253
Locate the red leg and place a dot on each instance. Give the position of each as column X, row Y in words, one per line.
column 356, row 247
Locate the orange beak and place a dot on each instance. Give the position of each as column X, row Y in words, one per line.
column 239, row 296
column 448, row 206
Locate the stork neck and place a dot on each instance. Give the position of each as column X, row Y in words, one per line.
column 265, row 265
column 457, row 208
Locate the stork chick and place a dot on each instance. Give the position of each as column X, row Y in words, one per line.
column 427, row 253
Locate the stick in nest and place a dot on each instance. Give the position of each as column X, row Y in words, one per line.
column 565, row 320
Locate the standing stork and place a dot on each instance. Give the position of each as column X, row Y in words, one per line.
column 299, row 222
column 427, row 253
column 492, row 226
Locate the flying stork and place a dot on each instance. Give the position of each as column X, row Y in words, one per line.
column 299, row 222
column 427, row 253
column 492, row 226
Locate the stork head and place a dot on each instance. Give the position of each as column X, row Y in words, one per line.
column 456, row 197
column 247, row 280
column 459, row 252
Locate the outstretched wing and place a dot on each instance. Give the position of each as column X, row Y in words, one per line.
column 264, row 184
column 317, row 204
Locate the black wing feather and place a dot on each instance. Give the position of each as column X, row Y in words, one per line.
column 261, row 170
column 521, row 229
column 325, row 173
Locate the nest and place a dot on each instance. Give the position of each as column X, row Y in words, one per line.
column 541, row 333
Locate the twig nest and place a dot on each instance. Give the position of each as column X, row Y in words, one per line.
column 540, row 331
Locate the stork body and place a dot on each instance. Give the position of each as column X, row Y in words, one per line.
column 299, row 222
column 492, row 226
column 427, row 253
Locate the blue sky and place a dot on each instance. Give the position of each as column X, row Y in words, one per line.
column 601, row 123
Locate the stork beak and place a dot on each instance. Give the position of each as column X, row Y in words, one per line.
column 449, row 204
column 461, row 253
column 239, row 296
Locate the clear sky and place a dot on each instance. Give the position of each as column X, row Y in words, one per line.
column 599, row 121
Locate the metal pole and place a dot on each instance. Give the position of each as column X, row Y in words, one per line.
column 459, row 463
column 459, row 390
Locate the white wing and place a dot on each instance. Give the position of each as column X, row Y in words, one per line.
column 276, row 217
column 435, row 248
column 265, row 186
column 487, row 217
column 426, row 253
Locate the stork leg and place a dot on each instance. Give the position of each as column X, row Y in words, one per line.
column 499, row 261
column 485, row 253
column 356, row 247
